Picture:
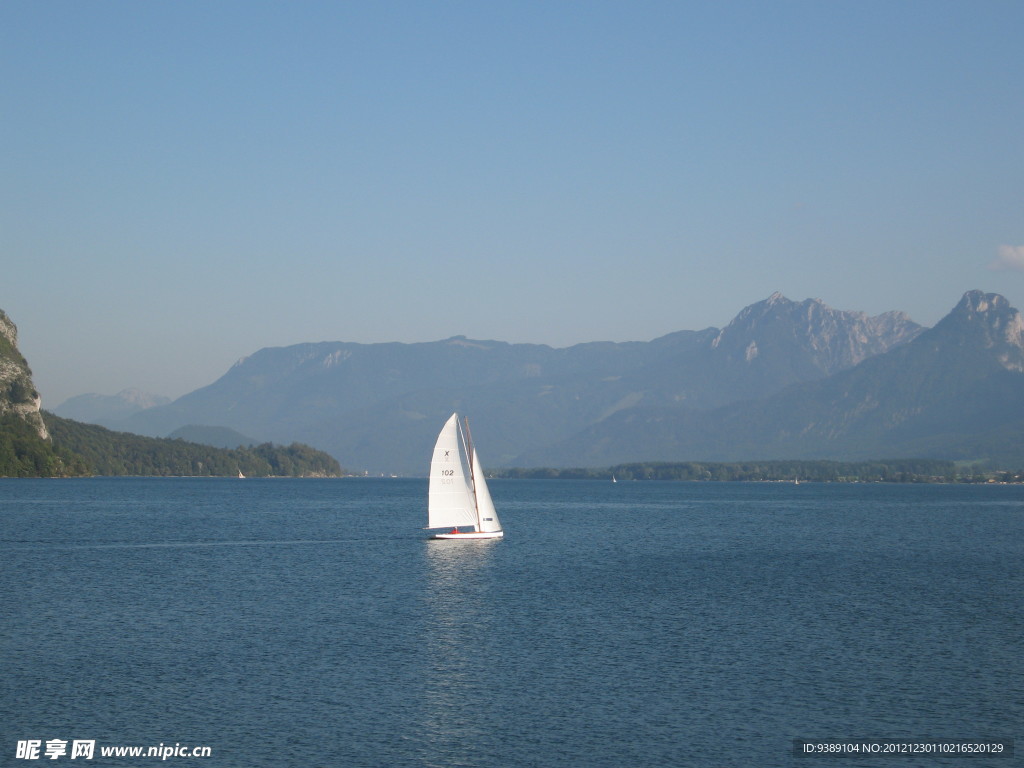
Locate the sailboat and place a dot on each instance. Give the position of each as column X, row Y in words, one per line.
column 458, row 495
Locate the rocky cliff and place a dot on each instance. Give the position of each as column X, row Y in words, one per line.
column 18, row 394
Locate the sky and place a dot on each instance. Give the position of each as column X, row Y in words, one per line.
column 183, row 184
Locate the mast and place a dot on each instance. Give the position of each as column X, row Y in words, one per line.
column 472, row 474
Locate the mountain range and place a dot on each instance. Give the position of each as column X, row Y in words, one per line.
column 956, row 391
column 784, row 379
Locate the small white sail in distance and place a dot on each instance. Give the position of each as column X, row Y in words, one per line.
column 458, row 494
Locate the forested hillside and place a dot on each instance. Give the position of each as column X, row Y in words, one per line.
column 101, row 451
column 23, row 453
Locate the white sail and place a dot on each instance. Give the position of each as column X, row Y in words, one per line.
column 488, row 518
column 450, row 498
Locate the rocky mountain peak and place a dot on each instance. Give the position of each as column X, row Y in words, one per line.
column 8, row 330
column 988, row 321
column 981, row 302
column 139, row 399
column 830, row 339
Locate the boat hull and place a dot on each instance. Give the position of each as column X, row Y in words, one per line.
column 472, row 535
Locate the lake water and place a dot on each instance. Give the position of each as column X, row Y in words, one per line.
column 310, row 623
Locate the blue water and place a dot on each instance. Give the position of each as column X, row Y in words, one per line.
column 310, row 623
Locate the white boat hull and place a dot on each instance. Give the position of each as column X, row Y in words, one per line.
column 471, row 535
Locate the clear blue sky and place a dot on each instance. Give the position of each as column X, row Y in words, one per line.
column 183, row 183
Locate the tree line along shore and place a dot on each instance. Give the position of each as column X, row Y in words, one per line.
column 76, row 449
column 79, row 450
column 792, row 471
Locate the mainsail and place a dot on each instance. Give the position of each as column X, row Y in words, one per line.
column 450, row 500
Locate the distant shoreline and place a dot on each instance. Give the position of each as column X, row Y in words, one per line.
column 782, row 471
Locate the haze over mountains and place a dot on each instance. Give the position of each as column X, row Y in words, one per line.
column 108, row 409
column 784, row 379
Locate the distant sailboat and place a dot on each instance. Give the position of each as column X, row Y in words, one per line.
column 458, row 493
column 614, row 480
column 240, row 475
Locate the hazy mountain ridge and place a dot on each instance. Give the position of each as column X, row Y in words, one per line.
column 107, row 410
column 378, row 406
column 219, row 437
column 370, row 401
